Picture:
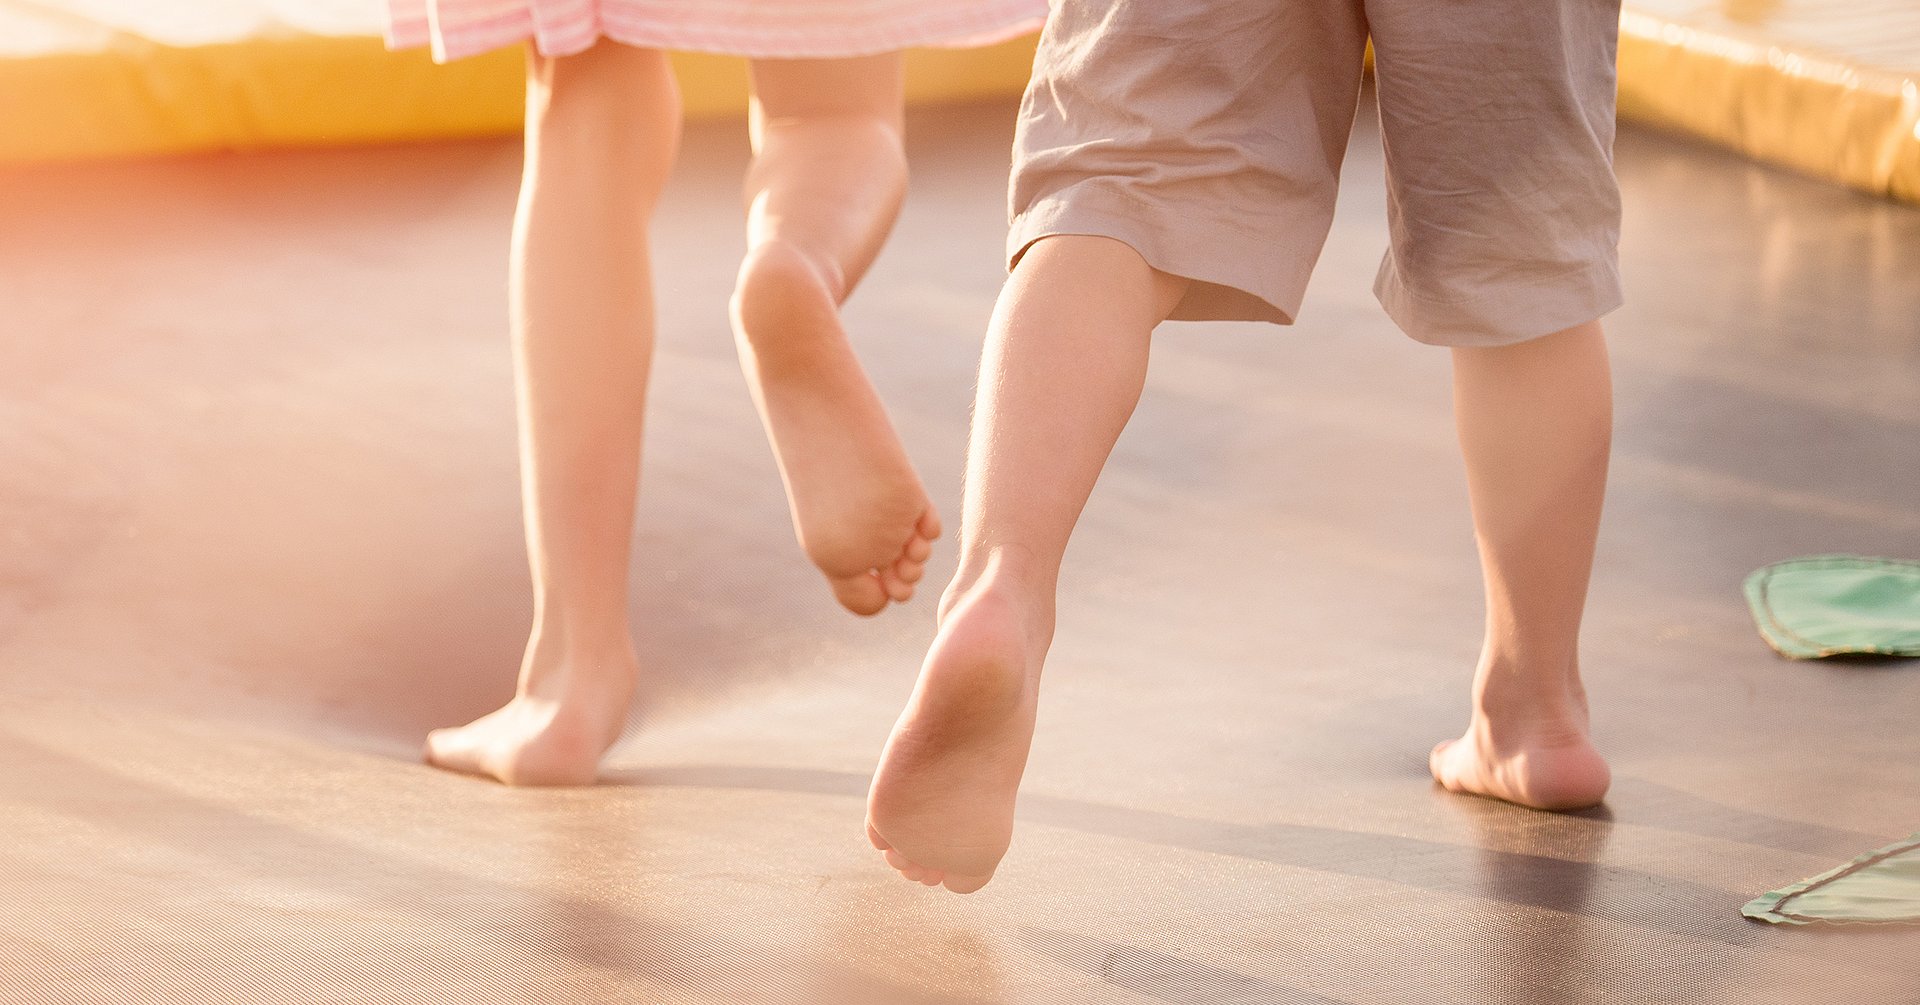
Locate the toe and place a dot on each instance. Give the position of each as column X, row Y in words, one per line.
column 918, row 548
column 456, row 750
column 430, row 750
column 879, row 843
column 906, row 866
column 899, row 590
column 929, row 524
column 1437, row 762
column 965, row 884
column 862, row 593
column 908, row 571
column 441, row 747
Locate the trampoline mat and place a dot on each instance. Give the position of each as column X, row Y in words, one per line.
column 259, row 532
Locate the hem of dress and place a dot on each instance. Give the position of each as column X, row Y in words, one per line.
column 557, row 41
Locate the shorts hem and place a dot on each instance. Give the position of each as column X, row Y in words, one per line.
column 1219, row 293
column 1508, row 314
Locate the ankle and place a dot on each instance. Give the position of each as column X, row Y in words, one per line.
column 1528, row 711
column 1007, row 582
column 1526, row 704
column 580, row 679
column 558, row 646
column 581, row 618
column 1522, row 673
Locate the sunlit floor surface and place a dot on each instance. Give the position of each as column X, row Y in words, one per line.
column 259, row 532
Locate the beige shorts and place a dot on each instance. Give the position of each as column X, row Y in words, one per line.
column 1208, row 135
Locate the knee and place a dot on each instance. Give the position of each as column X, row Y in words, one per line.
column 779, row 279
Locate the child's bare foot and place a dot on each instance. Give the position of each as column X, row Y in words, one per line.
column 941, row 807
column 1531, row 751
column 554, row 731
column 858, row 506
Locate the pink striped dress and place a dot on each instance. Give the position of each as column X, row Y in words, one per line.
column 796, row 29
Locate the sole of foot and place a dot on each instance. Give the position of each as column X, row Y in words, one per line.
column 941, row 806
column 859, row 509
column 1552, row 767
column 546, row 736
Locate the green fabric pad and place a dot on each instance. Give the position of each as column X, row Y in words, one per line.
column 1832, row 604
column 1880, row 887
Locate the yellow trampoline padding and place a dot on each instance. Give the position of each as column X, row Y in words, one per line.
column 1828, row 87
column 94, row 78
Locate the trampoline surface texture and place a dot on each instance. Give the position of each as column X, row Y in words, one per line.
column 259, row 533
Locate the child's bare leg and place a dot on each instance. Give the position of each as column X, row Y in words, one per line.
column 602, row 127
column 1535, row 423
column 1065, row 361
column 827, row 179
